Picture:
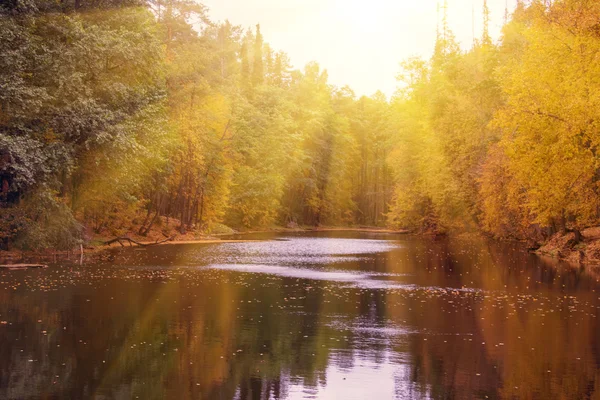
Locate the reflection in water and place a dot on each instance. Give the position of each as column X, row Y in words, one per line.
column 386, row 317
column 365, row 280
column 296, row 251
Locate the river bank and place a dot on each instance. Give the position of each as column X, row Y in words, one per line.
column 574, row 248
column 583, row 250
column 97, row 245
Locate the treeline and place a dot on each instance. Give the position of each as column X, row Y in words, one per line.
column 117, row 115
column 504, row 137
column 123, row 115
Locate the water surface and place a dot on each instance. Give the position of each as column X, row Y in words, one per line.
column 325, row 316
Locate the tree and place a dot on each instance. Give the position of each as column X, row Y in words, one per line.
column 258, row 70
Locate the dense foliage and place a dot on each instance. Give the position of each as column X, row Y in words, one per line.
column 121, row 115
column 504, row 137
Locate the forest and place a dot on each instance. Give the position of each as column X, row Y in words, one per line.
column 126, row 116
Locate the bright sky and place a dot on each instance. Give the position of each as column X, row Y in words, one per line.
column 360, row 42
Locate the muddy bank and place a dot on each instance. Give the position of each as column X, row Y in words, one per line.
column 574, row 248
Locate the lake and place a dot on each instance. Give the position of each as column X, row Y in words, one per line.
column 328, row 315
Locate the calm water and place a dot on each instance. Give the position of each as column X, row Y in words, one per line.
column 327, row 316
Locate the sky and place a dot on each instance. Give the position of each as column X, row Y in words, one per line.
column 360, row 42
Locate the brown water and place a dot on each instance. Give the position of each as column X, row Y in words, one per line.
column 326, row 316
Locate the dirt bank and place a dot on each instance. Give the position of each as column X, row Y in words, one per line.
column 568, row 247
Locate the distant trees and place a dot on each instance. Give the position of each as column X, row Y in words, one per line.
column 443, row 115
column 116, row 115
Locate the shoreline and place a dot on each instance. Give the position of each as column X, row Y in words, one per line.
column 561, row 247
column 578, row 249
column 96, row 249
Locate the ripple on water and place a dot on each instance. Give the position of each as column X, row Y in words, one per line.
column 350, row 279
column 296, row 251
column 389, row 330
column 291, row 272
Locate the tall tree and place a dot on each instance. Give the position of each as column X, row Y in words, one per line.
column 258, row 73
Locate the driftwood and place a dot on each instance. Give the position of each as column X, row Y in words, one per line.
column 23, row 266
column 121, row 239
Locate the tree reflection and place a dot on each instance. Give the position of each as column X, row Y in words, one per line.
column 528, row 331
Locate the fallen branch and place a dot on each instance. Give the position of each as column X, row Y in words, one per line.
column 121, row 239
column 23, row 266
